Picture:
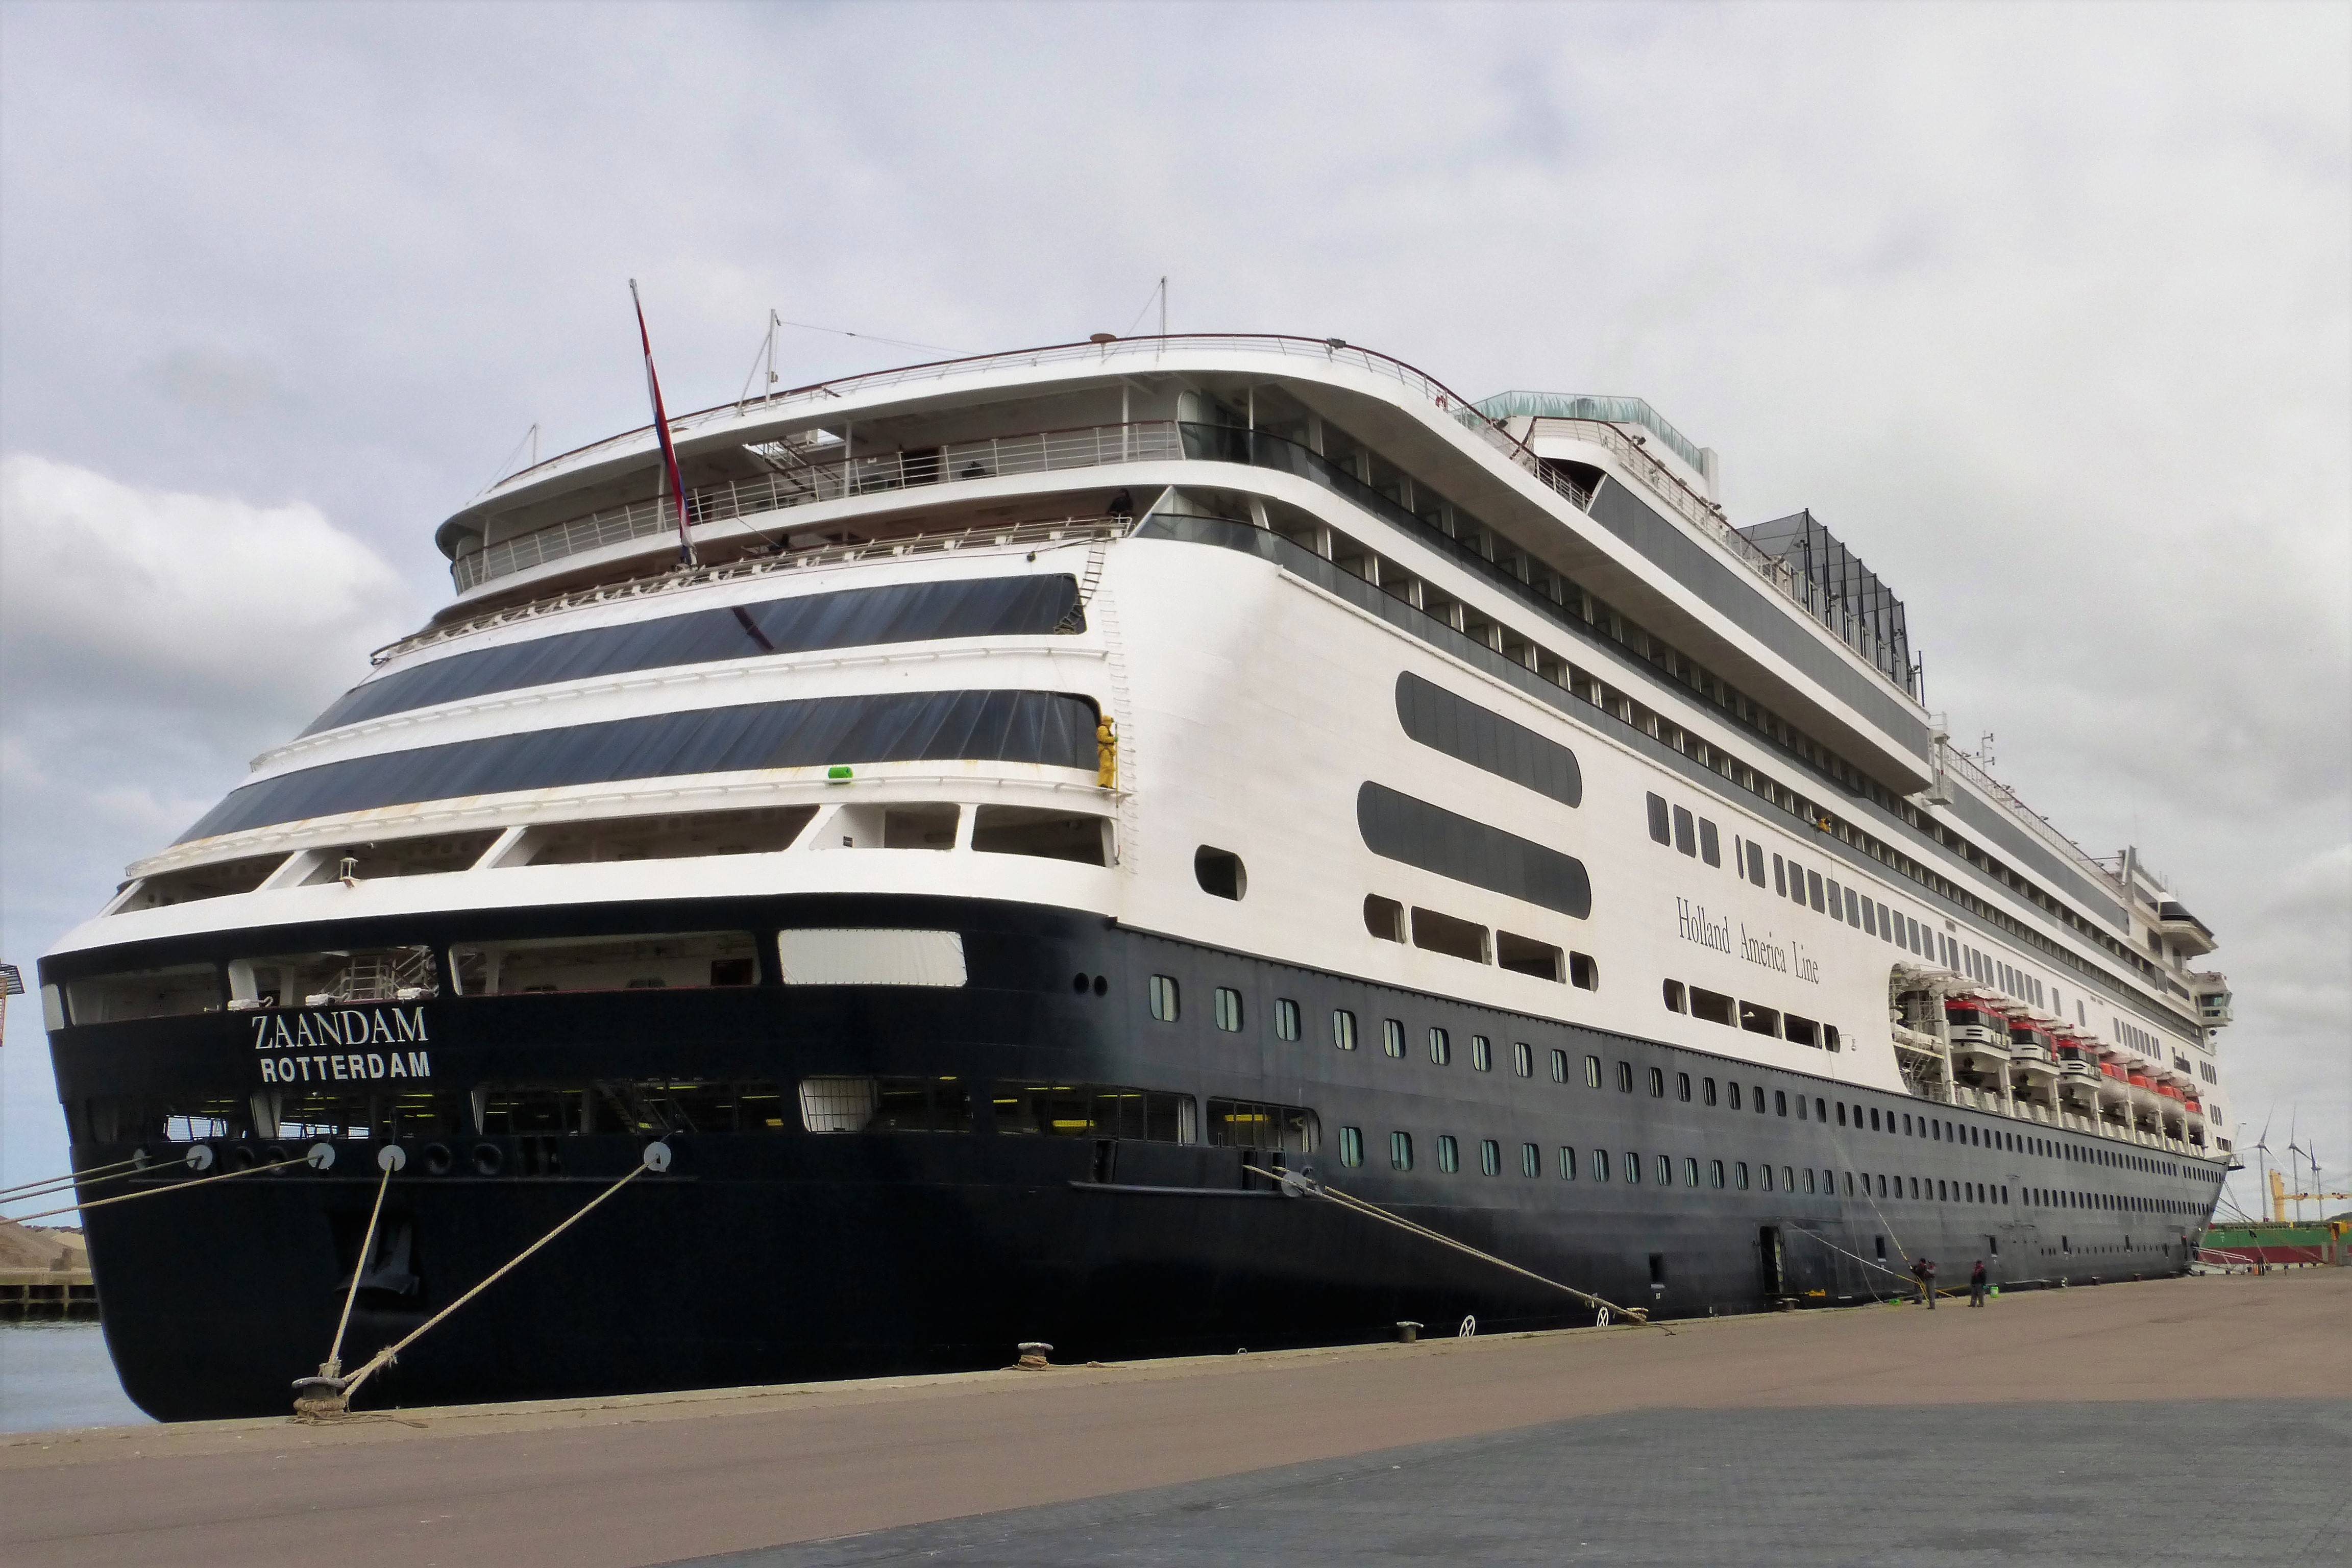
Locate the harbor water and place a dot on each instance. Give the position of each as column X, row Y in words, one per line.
column 59, row 1374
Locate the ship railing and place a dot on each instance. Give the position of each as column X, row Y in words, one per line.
column 1661, row 481
column 2033, row 821
column 912, row 541
column 799, row 482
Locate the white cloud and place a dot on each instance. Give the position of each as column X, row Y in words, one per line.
column 124, row 597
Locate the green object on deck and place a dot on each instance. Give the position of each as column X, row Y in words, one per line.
column 836, row 773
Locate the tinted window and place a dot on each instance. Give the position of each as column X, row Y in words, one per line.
column 1351, row 1145
column 904, row 612
column 1435, row 839
column 1435, row 717
column 1710, row 846
column 1041, row 727
column 1658, row 829
column 1285, row 1018
column 1685, row 831
column 1343, row 1028
column 1163, row 998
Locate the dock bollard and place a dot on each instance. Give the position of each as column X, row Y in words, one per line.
column 1032, row 1355
column 1407, row 1332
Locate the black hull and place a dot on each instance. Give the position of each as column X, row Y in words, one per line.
column 779, row 1256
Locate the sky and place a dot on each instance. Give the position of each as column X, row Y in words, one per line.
column 2046, row 311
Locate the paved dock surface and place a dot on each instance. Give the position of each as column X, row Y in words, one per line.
column 2205, row 1419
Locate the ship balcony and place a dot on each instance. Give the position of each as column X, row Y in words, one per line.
column 2190, row 936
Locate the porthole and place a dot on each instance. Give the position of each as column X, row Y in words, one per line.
column 1220, row 872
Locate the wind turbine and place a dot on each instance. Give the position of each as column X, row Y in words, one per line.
column 2262, row 1167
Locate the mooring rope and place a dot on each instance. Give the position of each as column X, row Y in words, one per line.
column 47, row 1184
column 155, row 1192
column 333, row 1366
column 1858, row 1257
column 330, row 1396
column 1297, row 1182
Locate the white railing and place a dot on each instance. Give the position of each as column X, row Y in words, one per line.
column 923, row 542
column 1668, row 486
column 799, row 482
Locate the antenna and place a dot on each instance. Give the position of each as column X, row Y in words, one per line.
column 1984, row 748
column 766, row 355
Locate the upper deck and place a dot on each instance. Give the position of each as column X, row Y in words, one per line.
column 976, row 443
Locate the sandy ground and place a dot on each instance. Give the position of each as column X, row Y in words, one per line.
column 655, row 1478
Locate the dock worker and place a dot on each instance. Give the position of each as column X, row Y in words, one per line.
column 1977, row 1284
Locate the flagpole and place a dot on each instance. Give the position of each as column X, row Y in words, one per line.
column 661, row 431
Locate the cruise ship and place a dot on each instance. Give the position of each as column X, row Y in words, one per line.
column 1150, row 846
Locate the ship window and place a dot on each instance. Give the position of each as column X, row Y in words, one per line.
column 1523, row 1059
column 1343, row 1028
column 1869, row 918
column 1664, row 1170
column 910, row 612
column 1092, row 1111
column 168, row 992
column 1683, row 1087
column 878, row 955
column 1436, row 717
column 1248, row 1124
column 1218, row 872
column 1624, row 1078
column 1435, row 932
column 1779, row 877
column 1392, row 1037
column 1735, row 1094
column 1525, row 955
column 1685, row 831
column 1796, row 883
column 1482, row 1054
column 1758, row 1019
column 1285, row 1018
column 221, row 879
column 1559, row 1066
column 1799, row 1031
column 1712, row 1005
column 1780, row 1102
column 1739, row 1176
column 1226, row 1006
column 1674, row 992
column 1385, row 917
column 1707, row 1086
column 1852, row 908
column 1530, row 1160
column 1841, row 1113
column 1601, row 1165
column 1441, row 1048
column 1416, row 833
column 1165, row 999
column 1830, row 1037
column 1658, row 1084
column 1710, row 846
column 1765, row 1173
column 657, row 837
column 1715, row 1173
column 1051, row 729
column 1885, row 923
column 1809, row 1179
column 1399, row 1151
column 1582, row 973
column 1351, row 1146
column 362, row 974
column 1047, row 835
column 1756, row 863
column 838, row 1105
column 1836, row 894
column 1659, row 829
column 1873, row 1119
column 1490, row 1157
column 1759, row 1098
column 1813, row 889
column 1449, row 1153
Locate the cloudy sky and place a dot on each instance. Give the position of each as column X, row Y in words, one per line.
column 2045, row 310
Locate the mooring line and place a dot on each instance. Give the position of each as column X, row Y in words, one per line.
column 333, row 1366
column 157, row 1192
column 327, row 1395
column 1297, row 1182
column 24, row 1190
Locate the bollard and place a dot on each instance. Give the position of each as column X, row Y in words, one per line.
column 1032, row 1355
column 1408, row 1332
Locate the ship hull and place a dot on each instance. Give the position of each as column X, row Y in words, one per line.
column 785, row 1255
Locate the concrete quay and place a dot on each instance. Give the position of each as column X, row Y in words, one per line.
column 2202, row 1419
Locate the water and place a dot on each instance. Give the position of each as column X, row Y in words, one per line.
column 58, row 1374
